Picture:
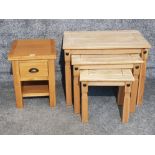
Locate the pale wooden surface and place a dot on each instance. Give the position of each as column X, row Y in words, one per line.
column 106, row 83
column 106, row 59
column 106, row 75
column 32, row 49
column 105, row 66
column 104, row 40
column 104, row 51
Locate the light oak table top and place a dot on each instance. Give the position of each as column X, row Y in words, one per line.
column 106, row 75
column 32, row 49
column 106, row 59
column 104, row 40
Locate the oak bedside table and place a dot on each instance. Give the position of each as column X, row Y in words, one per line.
column 105, row 43
column 33, row 65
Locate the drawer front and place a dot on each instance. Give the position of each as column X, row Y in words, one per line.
column 33, row 69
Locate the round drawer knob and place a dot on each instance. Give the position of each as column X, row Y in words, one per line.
column 33, row 70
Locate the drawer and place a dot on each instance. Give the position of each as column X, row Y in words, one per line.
column 33, row 70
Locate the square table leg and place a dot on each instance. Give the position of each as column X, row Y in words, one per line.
column 84, row 87
column 68, row 79
column 120, row 95
column 134, row 87
column 17, row 84
column 142, row 77
column 52, row 87
column 126, row 104
column 76, row 73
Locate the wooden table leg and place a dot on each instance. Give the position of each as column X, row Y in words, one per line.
column 84, row 88
column 52, row 87
column 142, row 77
column 68, row 79
column 17, row 84
column 126, row 104
column 76, row 87
column 120, row 96
column 134, row 88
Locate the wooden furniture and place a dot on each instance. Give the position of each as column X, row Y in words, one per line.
column 33, row 64
column 103, row 43
column 108, row 77
column 97, row 62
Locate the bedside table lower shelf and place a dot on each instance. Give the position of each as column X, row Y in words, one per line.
column 35, row 88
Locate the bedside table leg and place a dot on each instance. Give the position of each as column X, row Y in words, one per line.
column 52, row 87
column 17, row 84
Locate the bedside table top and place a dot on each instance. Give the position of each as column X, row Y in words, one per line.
column 104, row 40
column 37, row 49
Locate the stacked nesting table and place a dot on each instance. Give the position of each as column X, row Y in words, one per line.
column 103, row 50
column 105, row 62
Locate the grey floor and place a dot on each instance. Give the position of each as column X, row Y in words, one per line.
column 37, row 117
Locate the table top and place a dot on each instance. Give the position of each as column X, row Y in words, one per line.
column 106, row 75
column 32, row 49
column 104, row 40
column 106, row 59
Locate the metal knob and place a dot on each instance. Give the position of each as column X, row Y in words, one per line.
column 33, row 70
